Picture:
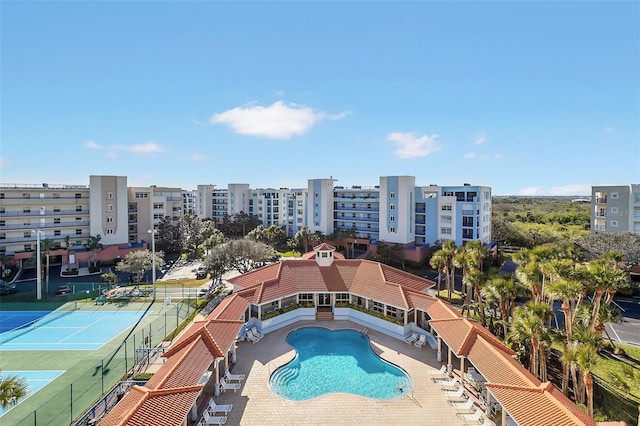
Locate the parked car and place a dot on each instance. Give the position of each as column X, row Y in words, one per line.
column 7, row 288
column 201, row 273
column 63, row 289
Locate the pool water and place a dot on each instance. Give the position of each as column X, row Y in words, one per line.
column 340, row 361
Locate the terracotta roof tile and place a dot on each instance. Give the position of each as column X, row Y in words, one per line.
column 497, row 366
column 324, row 247
column 184, row 367
column 152, row 408
column 419, row 300
column 543, row 406
column 442, row 310
column 232, row 307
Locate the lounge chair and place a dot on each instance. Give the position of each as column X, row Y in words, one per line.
column 468, row 405
column 208, row 419
column 256, row 333
column 439, row 374
column 421, row 341
column 459, row 394
column 253, row 337
column 475, row 418
column 214, row 408
column 233, row 377
column 224, row 385
column 452, row 384
column 412, row 338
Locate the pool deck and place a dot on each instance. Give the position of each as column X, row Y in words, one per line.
column 255, row 404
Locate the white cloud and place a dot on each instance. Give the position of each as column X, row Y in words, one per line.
column 198, row 157
column 139, row 149
column 470, row 155
column 92, row 145
column 480, row 140
column 277, row 121
column 531, row 190
column 564, row 190
column 572, row 189
column 410, row 146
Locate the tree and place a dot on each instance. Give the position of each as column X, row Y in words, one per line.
column 168, row 237
column 437, row 262
column 190, row 229
column 94, row 245
column 12, row 388
column 503, row 291
column 45, row 246
column 598, row 245
column 110, row 278
column 139, row 262
column 213, row 239
column 245, row 253
column 303, row 238
column 528, row 326
column 390, row 254
column 604, row 278
column 448, row 252
column 67, row 242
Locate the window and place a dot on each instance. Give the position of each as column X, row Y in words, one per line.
column 26, row 195
column 2, row 223
column 27, row 222
column 142, row 195
column 3, row 236
column 1, row 195
column 445, row 219
column 392, row 206
column 56, row 209
column 78, row 231
column 78, row 219
column 614, row 195
column 26, row 234
column 305, row 297
column 56, row 220
column 56, row 195
column 26, row 210
column 158, row 205
column 445, row 231
column 614, row 223
column 614, row 210
column 77, row 243
column 446, row 207
column 391, row 311
column 78, row 208
column 56, row 232
column 316, row 195
column 110, row 219
column 430, row 195
column 378, row 307
column 392, row 229
column 78, row 195
column 109, row 231
column 109, row 207
column 109, row 195
column 342, row 297
column 392, row 195
column 392, row 218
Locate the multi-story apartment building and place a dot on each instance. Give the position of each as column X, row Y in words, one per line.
column 615, row 208
column 120, row 215
column 189, row 202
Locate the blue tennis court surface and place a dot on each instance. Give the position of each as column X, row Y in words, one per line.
column 65, row 330
column 36, row 380
column 13, row 319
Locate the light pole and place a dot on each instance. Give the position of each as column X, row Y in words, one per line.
column 153, row 261
column 38, row 266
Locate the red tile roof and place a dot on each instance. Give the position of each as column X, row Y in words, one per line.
column 183, row 367
column 324, row 247
column 362, row 277
column 144, row 407
column 232, row 307
column 540, row 405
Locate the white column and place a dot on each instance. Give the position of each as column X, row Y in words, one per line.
column 439, row 356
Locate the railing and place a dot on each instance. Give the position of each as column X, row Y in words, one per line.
column 18, row 213
column 46, row 225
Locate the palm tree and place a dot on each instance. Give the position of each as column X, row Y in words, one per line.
column 46, row 245
column 569, row 292
column 448, row 252
column 302, row 237
column 12, row 388
column 528, row 326
column 503, row 291
column 94, row 245
column 586, row 358
column 605, row 278
column 437, row 261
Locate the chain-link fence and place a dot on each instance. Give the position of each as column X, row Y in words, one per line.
column 91, row 385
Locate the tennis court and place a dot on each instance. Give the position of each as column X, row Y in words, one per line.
column 36, row 380
column 62, row 330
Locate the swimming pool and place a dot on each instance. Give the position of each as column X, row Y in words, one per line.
column 339, row 361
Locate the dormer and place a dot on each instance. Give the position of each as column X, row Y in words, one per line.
column 324, row 254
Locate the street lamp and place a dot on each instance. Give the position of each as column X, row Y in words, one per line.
column 153, row 233
column 38, row 232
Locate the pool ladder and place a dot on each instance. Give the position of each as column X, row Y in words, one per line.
column 365, row 331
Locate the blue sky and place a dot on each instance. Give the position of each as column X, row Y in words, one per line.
column 537, row 98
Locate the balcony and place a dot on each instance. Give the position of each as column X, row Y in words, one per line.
column 73, row 224
column 601, row 200
column 33, row 213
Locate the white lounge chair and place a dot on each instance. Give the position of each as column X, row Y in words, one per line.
column 224, row 385
column 253, row 337
column 421, row 341
column 412, row 338
column 475, row 418
column 439, row 374
column 459, row 394
column 452, row 384
column 256, row 333
column 213, row 420
column 214, row 408
column 468, row 405
column 233, row 377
